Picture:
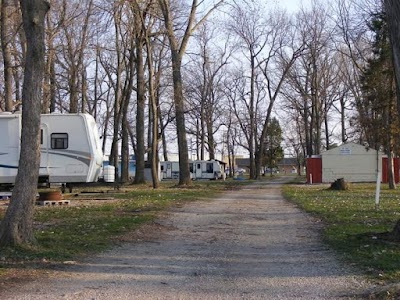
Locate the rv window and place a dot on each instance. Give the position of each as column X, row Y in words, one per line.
column 59, row 140
column 210, row 168
column 41, row 136
column 198, row 166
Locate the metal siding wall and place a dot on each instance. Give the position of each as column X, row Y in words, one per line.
column 353, row 162
column 314, row 170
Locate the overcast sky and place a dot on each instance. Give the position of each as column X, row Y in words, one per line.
column 292, row 5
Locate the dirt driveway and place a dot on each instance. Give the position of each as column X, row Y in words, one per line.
column 247, row 244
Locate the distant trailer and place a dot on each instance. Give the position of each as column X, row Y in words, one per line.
column 207, row 169
column 169, row 170
column 199, row 169
column 70, row 149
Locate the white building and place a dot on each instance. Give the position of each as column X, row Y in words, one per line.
column 353, row 162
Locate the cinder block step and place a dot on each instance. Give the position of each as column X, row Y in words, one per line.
column 52, row 202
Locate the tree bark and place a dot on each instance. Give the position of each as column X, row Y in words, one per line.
column 154, row 112
column 176, row 57
column 6, row 51
column 396, row 231
column 140, row 107
column 392, row 9
column 17, row 226
column 184, row 174
column 117, row 102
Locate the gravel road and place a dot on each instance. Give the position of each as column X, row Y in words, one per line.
column 246, row 244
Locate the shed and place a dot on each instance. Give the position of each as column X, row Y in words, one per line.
column 353, row 162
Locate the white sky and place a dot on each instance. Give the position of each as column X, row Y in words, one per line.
column 292, row 5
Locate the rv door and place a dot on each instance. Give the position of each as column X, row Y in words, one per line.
column 199, row 171
column 169, row 170
column 44, row 150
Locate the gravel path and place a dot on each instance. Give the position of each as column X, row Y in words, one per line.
column 247, row 244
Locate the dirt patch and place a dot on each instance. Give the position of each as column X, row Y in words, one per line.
column 146, row 233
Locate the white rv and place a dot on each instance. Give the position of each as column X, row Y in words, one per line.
column 207, row 169
column 169, row 170
column 199, row 169
column 70, row 149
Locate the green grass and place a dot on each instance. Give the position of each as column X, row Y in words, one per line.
column 353, row 225
column 67, row 232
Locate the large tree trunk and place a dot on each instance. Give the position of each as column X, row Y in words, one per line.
column 392, row 8
column 154, row 113
column 126, row 96
column 184, row 173
column 140, row 110
column 177, row 52
column 17, row 226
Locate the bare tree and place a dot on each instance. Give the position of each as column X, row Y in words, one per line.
column 178, row 46
column 75, row 31
column 116, row 79
column 54, row 21
column 275, row 66
column 17, row 226
column 312, row 81
column 152, row 92
column 250, row 27
column 204, row 79
column 139, row 35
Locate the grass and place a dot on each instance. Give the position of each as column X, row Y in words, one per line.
column 67, row 232
column 353, row 226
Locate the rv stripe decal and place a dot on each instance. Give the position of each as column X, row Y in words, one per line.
column 8, row 167
column 85, row 160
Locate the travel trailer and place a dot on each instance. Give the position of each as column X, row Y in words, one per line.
column 169, row 170
column 207, row 169
column 199, row 169
column 70, row 149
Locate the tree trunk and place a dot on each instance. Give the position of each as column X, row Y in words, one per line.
column 177, row 50
column 6, row 51
column 184, row 173
column 343, row 119
column 396, row 231
column 154, row 113
column 84, row 88
column 73, row 89
column 140, row 108
column 163, row 137
column 17, row 226
column 126, row 96
column 253, row 128
column 392, row 9
column 124, row 151
column 117, row 102
column 390, row 170
column 210, row 140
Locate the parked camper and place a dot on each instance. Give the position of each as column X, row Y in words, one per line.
column 169, row 169
column 207, row 169
column 199, row 169
column 70, row 149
